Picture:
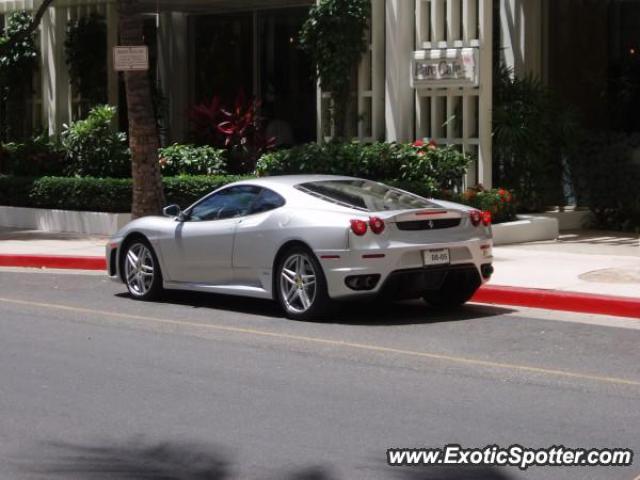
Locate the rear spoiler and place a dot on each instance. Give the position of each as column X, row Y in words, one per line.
column 419, row 214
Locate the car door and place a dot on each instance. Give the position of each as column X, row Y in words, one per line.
column 256, row 238
column 201, row 249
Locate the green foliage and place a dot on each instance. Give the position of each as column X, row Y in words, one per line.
column 99, row 194
column 180, row 159
column 37, row 156
column 532, row 132
column 184, row 190
column 85, row 49
column 425, row 169
column 14, row 191
column 94, row 148
column 334, row 37
column 88, row 194
column 17, row 66
column 499, row 201
column 16, row 74
column 606, row 173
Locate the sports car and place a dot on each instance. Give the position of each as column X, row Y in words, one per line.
column 306, row 241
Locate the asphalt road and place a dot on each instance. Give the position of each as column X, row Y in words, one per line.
column 94, row 385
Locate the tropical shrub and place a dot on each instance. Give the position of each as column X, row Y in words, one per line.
column 426, row 168
column 334, row 37
column 180, row 159
column 532, row 135
column 17, row 67
column 95, row 148
column 238, row 128
column 36, row 157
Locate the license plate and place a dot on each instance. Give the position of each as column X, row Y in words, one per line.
column 436, row 257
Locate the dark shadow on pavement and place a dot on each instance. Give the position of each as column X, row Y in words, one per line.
column 372, row 313
column 232, row 303
column 450, row 473
column 130, row 460
column 137, row 459
column 382, row 314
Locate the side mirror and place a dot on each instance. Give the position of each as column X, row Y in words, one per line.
column 171, row 211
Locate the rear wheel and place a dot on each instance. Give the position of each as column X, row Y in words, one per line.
column 301, row 287
column 142, row 273
column 457, row 289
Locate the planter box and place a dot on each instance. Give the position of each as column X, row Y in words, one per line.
column 528, row 228
column 568, row 219
column 90, row 223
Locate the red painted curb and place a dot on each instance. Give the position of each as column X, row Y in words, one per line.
column 490, row 294
column 559, row 300
column 53, row 261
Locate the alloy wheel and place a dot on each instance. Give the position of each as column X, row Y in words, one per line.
column 139, row 269
column 298, row 285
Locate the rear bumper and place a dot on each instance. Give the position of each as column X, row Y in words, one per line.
column 405, row 284
column 402, row 272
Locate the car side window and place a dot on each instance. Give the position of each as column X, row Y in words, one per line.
column 268, row 200
column 228, row 203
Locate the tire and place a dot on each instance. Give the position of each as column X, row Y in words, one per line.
column 141, row 271
column 300, row 285
column 456, row 290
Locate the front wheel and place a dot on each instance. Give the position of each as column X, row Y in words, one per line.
column 301, row 287
column 142, row 273
column 456, row 290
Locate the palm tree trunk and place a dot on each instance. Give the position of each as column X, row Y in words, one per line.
column 148, row 194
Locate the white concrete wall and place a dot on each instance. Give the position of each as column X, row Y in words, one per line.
column 91, row 223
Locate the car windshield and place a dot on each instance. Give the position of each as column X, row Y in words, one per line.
column 364, row 195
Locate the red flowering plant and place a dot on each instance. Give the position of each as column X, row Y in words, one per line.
column 238, row 129
column 423, row 147
column 499, row 201
column 204, row 119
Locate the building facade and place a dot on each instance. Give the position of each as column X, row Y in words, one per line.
column 205, row 48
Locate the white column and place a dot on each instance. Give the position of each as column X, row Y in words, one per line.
column 521, row 35
column 399, row 96
column 56, row 90
column 173, row 68
column 486, row 95
column 377, row 68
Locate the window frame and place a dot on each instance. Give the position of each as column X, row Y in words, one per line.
column 188, row 212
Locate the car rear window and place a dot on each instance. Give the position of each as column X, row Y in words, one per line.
column 363, row 195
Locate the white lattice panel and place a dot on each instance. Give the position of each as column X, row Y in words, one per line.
column 457, row 115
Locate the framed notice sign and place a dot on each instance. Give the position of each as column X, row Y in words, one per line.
column 446, row 67
column 127, row 59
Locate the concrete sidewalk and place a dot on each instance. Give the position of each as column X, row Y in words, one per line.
column 583, row 262
column 592, row 262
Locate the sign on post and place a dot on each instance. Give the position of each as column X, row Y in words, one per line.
column 129, row 59
column 445, row 67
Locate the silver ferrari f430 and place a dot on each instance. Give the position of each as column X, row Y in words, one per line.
column 305, row 241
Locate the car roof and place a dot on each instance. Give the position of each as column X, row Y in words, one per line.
column 291, row 180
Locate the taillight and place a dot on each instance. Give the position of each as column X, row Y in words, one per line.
column 376, row 224
column 486, row 218
column 359, row 227
column 476, row 217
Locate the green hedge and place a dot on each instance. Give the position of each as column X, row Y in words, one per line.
column 99, row 194
column 114, row 194
column 427, row 168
